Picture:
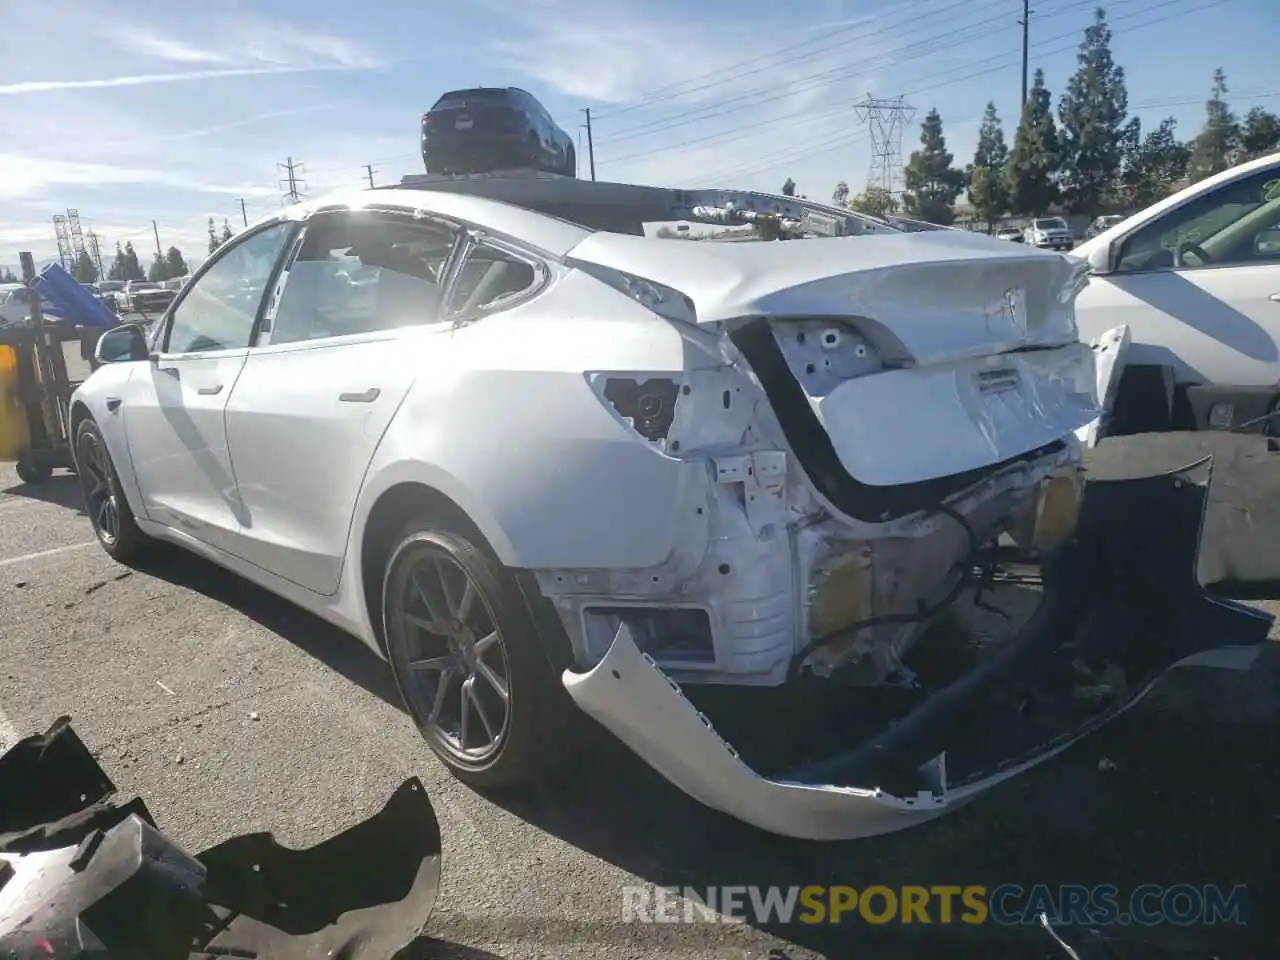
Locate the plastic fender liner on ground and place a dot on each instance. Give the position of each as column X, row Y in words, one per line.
column 83, row 877
column 1121, row 606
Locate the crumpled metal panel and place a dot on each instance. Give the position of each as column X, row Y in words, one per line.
column 82, row 876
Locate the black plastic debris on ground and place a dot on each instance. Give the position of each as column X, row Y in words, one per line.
column 82, row 875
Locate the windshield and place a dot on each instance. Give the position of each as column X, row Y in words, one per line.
column 1051, row 223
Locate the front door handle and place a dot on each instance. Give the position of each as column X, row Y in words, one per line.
column 367, row 396
column 210, row 391
column 1275, row 297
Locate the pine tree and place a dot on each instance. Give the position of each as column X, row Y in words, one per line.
column 1031, row 174
column 118, row 265
column 789, row 188
column 1092, row 112
column 84, row 269
column 1260, row 134
column 214, row 242
column 132, row 268
column 932, row 182
column 987, row 191
column 226, row 232
column 1212, row 148
column 177, row 266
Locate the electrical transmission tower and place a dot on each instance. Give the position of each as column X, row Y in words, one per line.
column 886, row 118
column 293, row 186
column 95, row 251
column 76, row 234
column 66, row 252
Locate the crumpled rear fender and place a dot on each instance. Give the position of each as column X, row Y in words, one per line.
column 82, row 876
column 1122, row 591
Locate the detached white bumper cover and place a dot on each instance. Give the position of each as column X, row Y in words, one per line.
column 645, row 709
column 1122, row 591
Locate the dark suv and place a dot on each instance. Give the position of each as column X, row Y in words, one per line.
column 494, row 128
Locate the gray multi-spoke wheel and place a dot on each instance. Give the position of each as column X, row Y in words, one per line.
column 108, row 511
column 468, row 659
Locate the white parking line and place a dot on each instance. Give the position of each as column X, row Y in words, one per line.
column 9, row 561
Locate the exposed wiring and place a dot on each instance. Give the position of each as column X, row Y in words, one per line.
column 926, row 612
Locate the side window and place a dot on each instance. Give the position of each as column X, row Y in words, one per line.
column 1230, row 225
column 359, row 272
column 489, row 279
column 219, row 309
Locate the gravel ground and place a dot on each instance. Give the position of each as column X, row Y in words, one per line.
column 230, row 711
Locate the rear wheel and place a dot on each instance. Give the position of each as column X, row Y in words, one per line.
column 468, row 660
column 104, row 502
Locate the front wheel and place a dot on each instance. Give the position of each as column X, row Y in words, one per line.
column 109, row 514
column 467, row 659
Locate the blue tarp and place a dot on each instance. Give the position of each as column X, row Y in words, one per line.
column 71, row 301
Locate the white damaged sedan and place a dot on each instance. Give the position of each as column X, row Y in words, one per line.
column 545, row 465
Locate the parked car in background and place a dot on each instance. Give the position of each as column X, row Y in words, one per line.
column 1049, row 233
column 1012, row 234
column 1196, row 278
column 494, row 128
column 15, row 306
column 111, row 290
column 1102, row 223
column 147, row 296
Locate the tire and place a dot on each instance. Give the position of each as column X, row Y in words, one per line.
column 100, row 484
column 32, row 473
column 527, row 743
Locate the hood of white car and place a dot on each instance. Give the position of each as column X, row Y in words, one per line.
column 944, row 295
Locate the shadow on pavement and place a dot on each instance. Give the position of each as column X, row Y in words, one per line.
column 62, row 489
column 1176, row 791
column 334, row 648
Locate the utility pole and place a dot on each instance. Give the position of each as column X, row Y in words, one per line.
column 591, row 149
column 369, row 170
column 291, row 181
column 243, row 215
column 156, row 230
column 1025, row 23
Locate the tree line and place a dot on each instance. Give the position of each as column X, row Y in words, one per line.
column 126, row 266
column 1093, row 159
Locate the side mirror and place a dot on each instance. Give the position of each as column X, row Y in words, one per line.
column 121, row 344
column 1100, row 259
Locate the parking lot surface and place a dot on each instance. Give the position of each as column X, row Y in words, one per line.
column 229, row 711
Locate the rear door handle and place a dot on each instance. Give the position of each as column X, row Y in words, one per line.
column 210, row 391
column 368, row 396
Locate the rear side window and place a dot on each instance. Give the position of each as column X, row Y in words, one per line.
column 360, row 273
column 490, row 279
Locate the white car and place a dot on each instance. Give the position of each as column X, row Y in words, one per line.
column 1049, row 233
column 520, row 457
column 1196, row 279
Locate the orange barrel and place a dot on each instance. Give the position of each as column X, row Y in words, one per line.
column 14, row 432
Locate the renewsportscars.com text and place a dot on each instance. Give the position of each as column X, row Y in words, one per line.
column 1008, row 904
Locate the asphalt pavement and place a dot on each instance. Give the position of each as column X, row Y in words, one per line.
column 230, row 711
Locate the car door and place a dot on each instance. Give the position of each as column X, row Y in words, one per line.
column 1199, row 286
column 354, row 324
column 173, row 406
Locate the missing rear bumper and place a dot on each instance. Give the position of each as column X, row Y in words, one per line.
column 1121, row 606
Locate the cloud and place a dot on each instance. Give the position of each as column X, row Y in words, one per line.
column 25, row 176
column 149, row 43
column 137, row 80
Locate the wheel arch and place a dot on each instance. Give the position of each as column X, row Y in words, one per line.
column 392, row 508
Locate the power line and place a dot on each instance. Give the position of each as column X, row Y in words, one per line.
column 885, row 117
column 743, row 130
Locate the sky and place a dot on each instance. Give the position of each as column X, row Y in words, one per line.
column 134, row 111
